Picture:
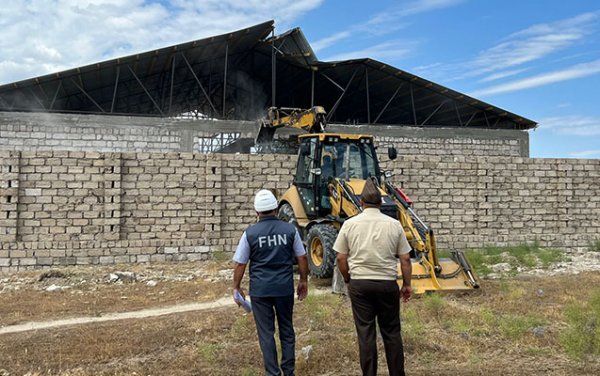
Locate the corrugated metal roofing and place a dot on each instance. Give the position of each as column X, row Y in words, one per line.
column 231, row 76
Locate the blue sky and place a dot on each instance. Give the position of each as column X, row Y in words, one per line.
column 539, row 59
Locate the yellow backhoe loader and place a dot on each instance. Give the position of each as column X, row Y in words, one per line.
column 331, row 171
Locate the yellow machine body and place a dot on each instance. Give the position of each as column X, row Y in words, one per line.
column 320, row 199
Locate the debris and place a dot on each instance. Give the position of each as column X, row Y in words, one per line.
column 51, row 274
column 151, row 283
column 502, row 267
column 226, row 274
column 538, row 331
column 53, row 288
column 126, row 277
column 306, row 351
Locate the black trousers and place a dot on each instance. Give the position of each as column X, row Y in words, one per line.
column 377, row 300
column 265, row 310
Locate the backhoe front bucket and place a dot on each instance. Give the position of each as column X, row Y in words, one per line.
column 265, row 134
column 455, row 275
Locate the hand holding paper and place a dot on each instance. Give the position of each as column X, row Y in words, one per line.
column 241, row 300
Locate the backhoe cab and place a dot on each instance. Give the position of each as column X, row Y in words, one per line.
column 330, row 175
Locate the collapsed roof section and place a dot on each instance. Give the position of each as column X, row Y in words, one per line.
column 238, row 75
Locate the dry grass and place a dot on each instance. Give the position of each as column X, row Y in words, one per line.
column 509, row 327
column 90, row 293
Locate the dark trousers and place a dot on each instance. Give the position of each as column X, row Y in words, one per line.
column 265, row 310
column 377, row 300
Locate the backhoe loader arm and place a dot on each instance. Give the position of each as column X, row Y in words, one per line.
column 311, row 120
column 343, row 203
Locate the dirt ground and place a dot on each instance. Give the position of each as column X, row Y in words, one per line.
column 508, row 327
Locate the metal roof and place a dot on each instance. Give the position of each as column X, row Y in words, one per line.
column 239, row 74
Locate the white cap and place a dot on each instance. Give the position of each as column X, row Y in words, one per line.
column 265, row 201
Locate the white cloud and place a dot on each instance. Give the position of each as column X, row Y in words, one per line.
column 383, row 51
column 40, row 37
column 574, row 125
column 576, row 71
column 502, row 74
column 422, row 6
column 385, row 22
column 330, row 40
column 586, row 154
column 534, row 43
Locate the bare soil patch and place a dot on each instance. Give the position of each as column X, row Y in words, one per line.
column 94, row 291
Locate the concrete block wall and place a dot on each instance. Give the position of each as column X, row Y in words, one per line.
column 457, row 145
column 476, row 201
column 79, row 132
column 67, row 208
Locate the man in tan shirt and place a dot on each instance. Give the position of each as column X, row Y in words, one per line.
column 368, row 247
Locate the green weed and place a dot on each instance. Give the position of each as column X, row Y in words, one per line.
column 582, row 335
column 536, row 351
column 318, row 309
column 550, row 256
column 488, row 317
column 250, row 372
column 220, row 255
column 461, row 326
column 242, row 326
column 595, row 246
column 514, row 327
column 434, row 303
column 413, row 328
column 208, row 352
column 524, row 255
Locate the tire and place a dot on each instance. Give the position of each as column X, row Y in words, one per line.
column 286, row 214
column 319, row 244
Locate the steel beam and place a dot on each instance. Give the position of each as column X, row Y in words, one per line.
column 172, row 83
column 7, row 106
column 36, row 98
column 471, row 118
column 87, row 95
column 312, row 89
column 388, row 102
column 225, row 78
column 335, row 106
column 41, row 88
column 55, row 95
column 434, row 112
column 368, row 99
column 412, row 103
column 114, row 98
column 145, row 90
column 332, row 81
column 199, row 83
column 273, row 71
column 458, row 114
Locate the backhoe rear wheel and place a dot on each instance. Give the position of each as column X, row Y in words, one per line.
column 321, row 255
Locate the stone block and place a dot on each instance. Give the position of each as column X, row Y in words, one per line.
column 106, row 260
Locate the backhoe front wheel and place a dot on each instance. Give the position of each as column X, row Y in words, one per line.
column 321, row 255
column 286, row 214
